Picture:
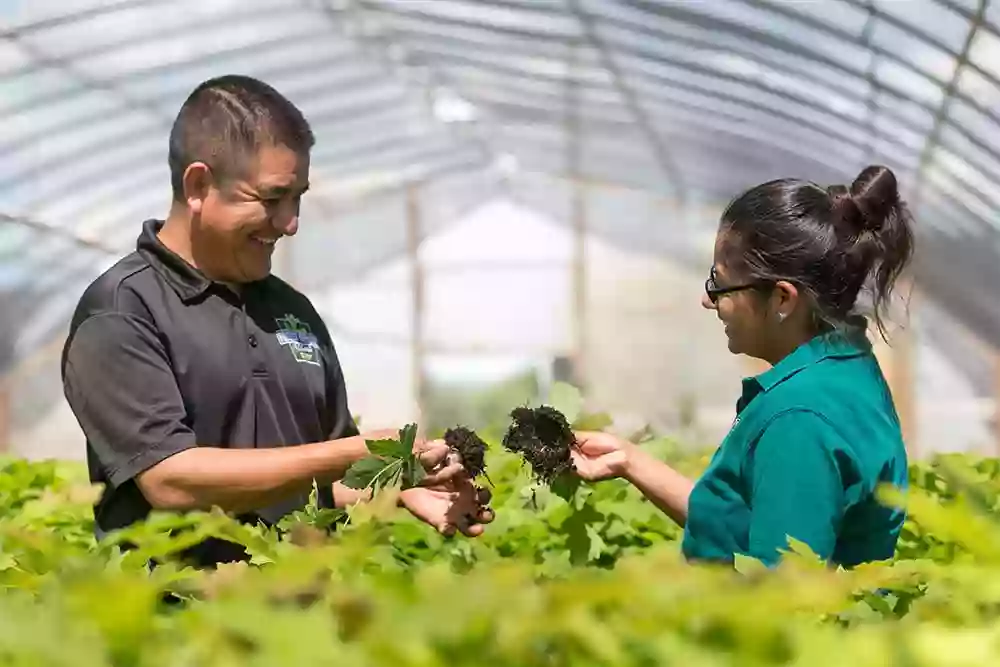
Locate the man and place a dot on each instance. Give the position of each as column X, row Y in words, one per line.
column 200, row 379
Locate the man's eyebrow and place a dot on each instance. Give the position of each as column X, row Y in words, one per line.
column 269, row 191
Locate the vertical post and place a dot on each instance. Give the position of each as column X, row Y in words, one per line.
column 902, row 381
column 5, row 417
column 580, row 321
column 996, row 402
column 898, row 364
column 578, row 213
column 413, row 226
column 286, row 260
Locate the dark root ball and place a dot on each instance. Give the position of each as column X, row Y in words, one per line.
column 543, row 437
column 470, row 447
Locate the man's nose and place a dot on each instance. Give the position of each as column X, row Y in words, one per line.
column 287, row 219
column 290, row 226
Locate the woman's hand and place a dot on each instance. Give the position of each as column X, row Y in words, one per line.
column 598, row 456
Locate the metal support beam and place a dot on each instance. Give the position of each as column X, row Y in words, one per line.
column 903, row 383
column 349, row 22
column 871, row 98
column 5, row 418
column 578, row 217
column 941, row 115
column 580, row 320
column 286, row 260
column 897, row 358
column 417, row 344
column 996, row 404
column 656, row 143
column 62, row 232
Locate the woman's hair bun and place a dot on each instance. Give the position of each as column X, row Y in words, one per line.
column 875, row 193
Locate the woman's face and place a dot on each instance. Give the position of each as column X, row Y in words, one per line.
column 740, row 311
column 753, row 318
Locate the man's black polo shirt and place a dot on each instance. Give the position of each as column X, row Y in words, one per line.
column 159, row 359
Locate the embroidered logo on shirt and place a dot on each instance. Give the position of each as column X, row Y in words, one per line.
column 296, row 335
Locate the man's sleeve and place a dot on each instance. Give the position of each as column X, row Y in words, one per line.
column 118, row 381
column 797, row 486
column 339, row 417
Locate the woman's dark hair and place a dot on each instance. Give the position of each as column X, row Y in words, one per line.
column 829, row 242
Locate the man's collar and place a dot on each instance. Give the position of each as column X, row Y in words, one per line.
column 187, row 281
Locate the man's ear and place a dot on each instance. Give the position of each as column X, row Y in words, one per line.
column 784, row 299
column 197, row 182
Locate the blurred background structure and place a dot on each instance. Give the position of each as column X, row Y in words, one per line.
column 507, row 192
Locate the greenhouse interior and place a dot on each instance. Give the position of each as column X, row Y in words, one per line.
column 509, row 193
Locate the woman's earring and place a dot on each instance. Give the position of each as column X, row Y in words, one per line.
column 781, row 317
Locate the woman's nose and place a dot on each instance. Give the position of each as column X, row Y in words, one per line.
column 706, row 302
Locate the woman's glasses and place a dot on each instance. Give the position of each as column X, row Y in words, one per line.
column 714, row 291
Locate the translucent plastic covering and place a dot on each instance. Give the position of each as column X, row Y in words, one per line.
column 658, row 111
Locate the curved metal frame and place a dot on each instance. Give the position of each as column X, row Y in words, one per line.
column 696, row 126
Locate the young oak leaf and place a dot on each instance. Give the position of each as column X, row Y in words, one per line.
column 388, row 448
column 363, row 473
column 407, row 438
column 567, row 399
column 413, row 472
column 597, row 421
column 390, row 462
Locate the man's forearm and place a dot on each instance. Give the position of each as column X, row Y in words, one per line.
column 345, row 496
column 665, row 487
column 239, row 480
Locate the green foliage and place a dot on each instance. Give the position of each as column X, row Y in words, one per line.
column 574, row 575
column 392, row 463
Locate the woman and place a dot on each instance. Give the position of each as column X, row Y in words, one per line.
column 817, row 432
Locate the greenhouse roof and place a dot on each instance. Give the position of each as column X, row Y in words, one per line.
column 681, row 103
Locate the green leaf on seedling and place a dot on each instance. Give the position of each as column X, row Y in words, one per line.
column 567, row 399
column 388, row 448
column 597, row 543
column 393, row 477
column 363, row 472
column 565, row 486
column 748, row 565
column 414, row 472
column 583, row 537
column 407, row 438
column 592, row 422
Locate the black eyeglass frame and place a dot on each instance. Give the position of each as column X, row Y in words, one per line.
column 714, row 292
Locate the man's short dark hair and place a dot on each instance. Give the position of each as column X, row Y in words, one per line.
column 226, row 120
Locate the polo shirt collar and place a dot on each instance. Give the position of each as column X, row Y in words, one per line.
column 187, row 281
column 824, row 346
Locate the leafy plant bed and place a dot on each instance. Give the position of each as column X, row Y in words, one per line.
column 591, row 577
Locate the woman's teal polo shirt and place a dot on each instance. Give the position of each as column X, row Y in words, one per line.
column 813, row 437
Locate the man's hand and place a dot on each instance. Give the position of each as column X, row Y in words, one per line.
column 456, row 505
column 598, row 456
column 443, row 466
column 446, row 498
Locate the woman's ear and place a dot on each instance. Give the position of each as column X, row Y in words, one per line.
column 784, row 299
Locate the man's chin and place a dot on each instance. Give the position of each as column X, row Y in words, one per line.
column 255, row 273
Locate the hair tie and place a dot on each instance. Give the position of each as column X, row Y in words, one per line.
column 846, row 209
